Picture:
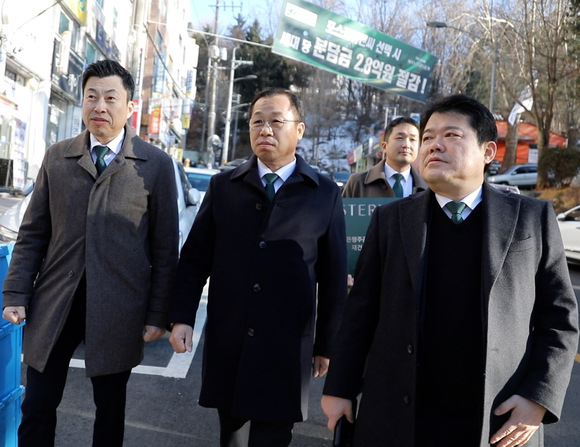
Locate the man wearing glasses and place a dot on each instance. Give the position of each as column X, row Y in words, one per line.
column 271, row 235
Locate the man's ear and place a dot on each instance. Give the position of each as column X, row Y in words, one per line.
column 490, row 151
column 130, row 107
column 300, row 128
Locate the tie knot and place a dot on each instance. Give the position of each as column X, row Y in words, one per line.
column 398, row 177
column 100, row 151
column 456, row 208
column 270, row 178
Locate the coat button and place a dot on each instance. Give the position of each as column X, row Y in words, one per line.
column 262, row 244
column 71, row 274
column 251, row 332
column 258, row 206
column 407, row 400
column 410, row 349
column 257, row 287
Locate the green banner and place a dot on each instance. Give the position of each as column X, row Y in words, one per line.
column 316, row 36
column 357, row 214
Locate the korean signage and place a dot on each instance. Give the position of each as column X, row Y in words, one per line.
column 316, row 36
column 70, row 81
column 78, row 8
column 357, row 214
column 159, row 73
column 155, row 106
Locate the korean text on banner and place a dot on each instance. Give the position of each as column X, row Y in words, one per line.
column 316, row 36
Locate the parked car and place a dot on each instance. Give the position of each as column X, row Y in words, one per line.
column 569, row 223
column 524, row 176
column 188, row 199
column 341, row 178
column 494, row 167
column 199, row 178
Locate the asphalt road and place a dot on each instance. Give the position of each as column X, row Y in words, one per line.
column 162, row 409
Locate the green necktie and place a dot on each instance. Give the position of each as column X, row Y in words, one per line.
column 456, row 209
column 397, row 187
column 270, row 179
column 100, row 152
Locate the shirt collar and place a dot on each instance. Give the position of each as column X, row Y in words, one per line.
column 471, row 200
column 284, row 172
column 114, row 145
column 389, row 172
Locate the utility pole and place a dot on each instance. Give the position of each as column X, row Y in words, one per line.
column 234, row 64
column 141, row 9
column 213, row 73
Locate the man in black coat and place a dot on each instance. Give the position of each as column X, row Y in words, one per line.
column 271, row 236
column 463, row 316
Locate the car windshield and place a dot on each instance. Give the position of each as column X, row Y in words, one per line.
column 198, row 181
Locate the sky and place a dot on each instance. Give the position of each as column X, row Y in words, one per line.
column 203, row 12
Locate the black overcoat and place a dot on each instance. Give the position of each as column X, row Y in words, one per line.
column 276, row 270
column 530, row 316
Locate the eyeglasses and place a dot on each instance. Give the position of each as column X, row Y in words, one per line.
column 275, row 124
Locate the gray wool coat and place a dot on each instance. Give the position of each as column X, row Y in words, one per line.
column 530, row 316
column 120, row 229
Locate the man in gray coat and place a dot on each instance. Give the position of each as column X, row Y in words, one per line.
column 95, row 259
column 393, row 176
column 463, row 315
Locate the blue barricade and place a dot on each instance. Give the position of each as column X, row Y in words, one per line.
column 10, row 352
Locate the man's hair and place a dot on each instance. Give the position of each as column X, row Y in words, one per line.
column 400, row 120
column 478, row 116
column 295, row 100
column 107, row 67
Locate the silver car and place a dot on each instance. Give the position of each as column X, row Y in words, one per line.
column 523, row 176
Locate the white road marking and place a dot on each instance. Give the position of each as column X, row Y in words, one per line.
column 179, row 364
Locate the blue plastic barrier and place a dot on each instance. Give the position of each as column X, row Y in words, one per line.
column 10, row 352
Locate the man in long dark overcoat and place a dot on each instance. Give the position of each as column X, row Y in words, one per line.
column 462, row 310
column 95, row 260
column 271, row 236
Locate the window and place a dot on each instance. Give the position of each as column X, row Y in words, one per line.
column 90, row 53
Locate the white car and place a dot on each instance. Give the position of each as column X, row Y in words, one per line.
column 199, row 178
column 569, row 223
column 188, row 199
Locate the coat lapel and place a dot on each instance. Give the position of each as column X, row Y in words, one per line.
column 500, row 211
column 79, row 148
column 414, row 217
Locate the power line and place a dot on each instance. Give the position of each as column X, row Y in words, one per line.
column 249, row 42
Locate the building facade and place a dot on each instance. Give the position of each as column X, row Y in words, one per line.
column 44, row 49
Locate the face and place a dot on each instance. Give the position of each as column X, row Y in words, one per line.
column 400, row 150
column 105, row 107
column 275, row 147
column 451, row 159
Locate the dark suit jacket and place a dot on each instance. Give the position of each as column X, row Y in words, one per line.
column 373, row 183
column 121, row 228
column 265, row 263
column 530, row 317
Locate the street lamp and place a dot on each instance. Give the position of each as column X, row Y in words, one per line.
column 235, row 64
column 436, row 24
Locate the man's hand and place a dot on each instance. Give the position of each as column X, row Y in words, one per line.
column 320, row 366
column 334, row 407
column 181, row 336
column 14, row 314
column 151, row 333
column 524, row 420
column 349, row 282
